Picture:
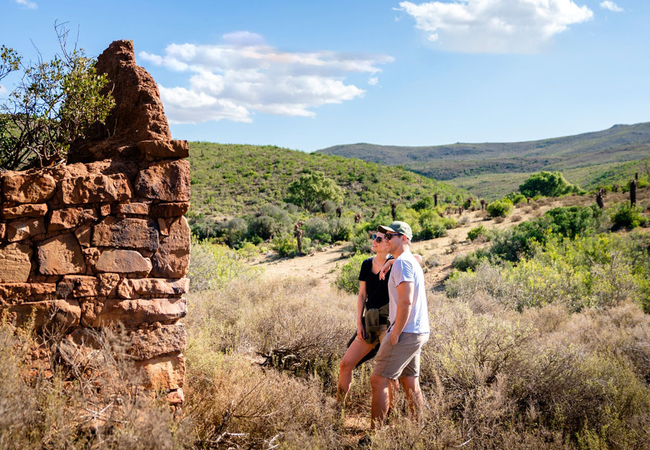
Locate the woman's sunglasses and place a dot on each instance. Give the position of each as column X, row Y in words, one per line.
column 377, row 238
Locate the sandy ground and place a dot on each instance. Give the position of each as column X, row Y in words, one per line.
column 324, row 265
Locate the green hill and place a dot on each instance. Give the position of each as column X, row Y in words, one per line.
column 233, row 180
column 494, row 169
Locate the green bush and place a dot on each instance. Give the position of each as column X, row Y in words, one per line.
column 547, row 184
column 348, row 278
column 476, row 232
column 285, row 245
column 499, row 208
column 627, row 216
column 318, row 228
column 213, row 265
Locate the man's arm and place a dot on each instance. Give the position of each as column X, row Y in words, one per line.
column 405, row 293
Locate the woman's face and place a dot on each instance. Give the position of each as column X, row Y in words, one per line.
column 379, row 246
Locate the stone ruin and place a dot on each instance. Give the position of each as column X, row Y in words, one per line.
column 103, row 240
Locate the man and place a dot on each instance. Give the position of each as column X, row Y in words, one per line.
column 399, row 353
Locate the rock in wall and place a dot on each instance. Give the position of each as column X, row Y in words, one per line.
column 103, row 239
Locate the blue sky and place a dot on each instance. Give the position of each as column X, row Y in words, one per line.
column 308, row 75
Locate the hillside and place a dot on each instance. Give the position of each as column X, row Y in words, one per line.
column 230, row 180
column 493, row 169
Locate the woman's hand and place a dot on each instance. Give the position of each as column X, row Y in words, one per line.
column 360, row 332
column 385, row 268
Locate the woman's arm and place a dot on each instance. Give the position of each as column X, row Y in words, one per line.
column 389, row 263
column 361, row 301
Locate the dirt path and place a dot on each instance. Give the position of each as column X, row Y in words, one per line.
column 323, row 266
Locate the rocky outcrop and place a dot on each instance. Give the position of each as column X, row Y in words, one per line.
column 102, row 240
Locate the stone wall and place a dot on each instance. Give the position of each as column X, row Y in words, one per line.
column 103, row 241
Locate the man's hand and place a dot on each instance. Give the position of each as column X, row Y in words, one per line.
column 394, row 338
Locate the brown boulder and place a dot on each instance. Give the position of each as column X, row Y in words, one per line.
column 83, row 235
column 28, row 210
column 122, row 261
column 60, row 255
column 3, row 230
column 138, row 114
column 175, row 209
column 164, row 149
column 164, row 373
column 107, row 283
column 134, row 287
column 126, row 233
column 78, row 286
column 15, row 263
column 65, row 219
column 137, row 312
column 96, row 188
column 19, row 230
column 141, row 209
column 168, row 181
column 19, row 292
column 28, row 187
column 61, row 314
column 172, row 260
column 164, row 340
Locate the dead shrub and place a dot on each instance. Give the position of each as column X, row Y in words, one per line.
column 234, row 403
column 516, row 218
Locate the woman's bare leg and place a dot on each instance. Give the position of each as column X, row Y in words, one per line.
column 357, row 350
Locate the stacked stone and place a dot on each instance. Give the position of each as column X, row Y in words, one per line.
column 94, row 244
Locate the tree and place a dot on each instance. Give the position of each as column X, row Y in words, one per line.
column 548, row 184
column 54, row 103
column 314, row 188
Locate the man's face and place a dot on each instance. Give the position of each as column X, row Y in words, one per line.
column 393, row 241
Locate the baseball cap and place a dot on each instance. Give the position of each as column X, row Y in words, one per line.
column 397, row 227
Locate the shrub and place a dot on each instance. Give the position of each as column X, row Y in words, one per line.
column 499, row 208
column 285, row 245
column 318, row 228
column 213, row 265
column 340, row 229
column 547, row 184
column 474, row 233
column 348, row 278
column 627, row 216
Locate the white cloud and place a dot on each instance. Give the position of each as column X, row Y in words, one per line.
column 245, row 75
column 373, row 81
column 495, row 26
column 3, row 91
column 611, row 6
column 27, row 4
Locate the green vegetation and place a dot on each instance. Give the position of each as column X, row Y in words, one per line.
column 348, row 278
column 269, row 189
column 498, row 208
column 55, row 103
column 230, row 180
column 546, row 184
column 492, row 170
column 476, row 232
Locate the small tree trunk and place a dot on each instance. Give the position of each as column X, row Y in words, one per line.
column 599, row 199
column 435, row 199
column 393, row 207
column 633, row 185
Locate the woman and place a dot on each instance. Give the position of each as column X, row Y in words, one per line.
column 373, row 295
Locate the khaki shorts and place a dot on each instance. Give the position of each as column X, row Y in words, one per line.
column 401, row 360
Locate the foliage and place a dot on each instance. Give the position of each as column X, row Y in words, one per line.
column 475, row 232
column 55, row 103
column 285, row 246
column 499, row 208
column 627, row 216
column 548, row 184
column 348, row 278
column 312, row 189
column 213, row 265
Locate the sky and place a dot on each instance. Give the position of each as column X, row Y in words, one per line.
column 307, row 75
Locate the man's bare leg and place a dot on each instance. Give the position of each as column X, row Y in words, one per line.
column 414, row 397
column 380, row 400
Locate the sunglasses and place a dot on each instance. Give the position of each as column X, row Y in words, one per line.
column 387, row 237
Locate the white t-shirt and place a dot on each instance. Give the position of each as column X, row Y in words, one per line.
column 406, row 269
